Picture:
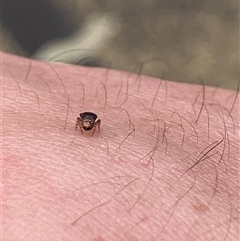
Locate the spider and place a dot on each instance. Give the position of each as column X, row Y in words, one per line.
column 87, row 121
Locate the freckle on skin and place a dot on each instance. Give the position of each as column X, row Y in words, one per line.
column 99, row 239
column 199, row 206
column 131, row 237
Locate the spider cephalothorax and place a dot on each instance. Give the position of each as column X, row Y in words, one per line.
column 87, row 121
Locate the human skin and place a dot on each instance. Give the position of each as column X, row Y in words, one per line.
column 164, row 166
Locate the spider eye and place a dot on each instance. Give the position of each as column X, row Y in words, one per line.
column 88, row 123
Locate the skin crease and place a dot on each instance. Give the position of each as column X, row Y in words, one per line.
column 164, row 166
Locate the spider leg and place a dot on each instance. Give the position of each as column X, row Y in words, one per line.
column 97, row 123
column 79, row 123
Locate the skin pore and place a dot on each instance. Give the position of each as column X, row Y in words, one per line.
column 164, row 166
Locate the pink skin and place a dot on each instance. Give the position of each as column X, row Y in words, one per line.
column 119, row 184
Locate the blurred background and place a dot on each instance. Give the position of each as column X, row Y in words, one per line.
column 179, row 40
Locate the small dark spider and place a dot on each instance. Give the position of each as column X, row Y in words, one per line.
column 87, row 121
